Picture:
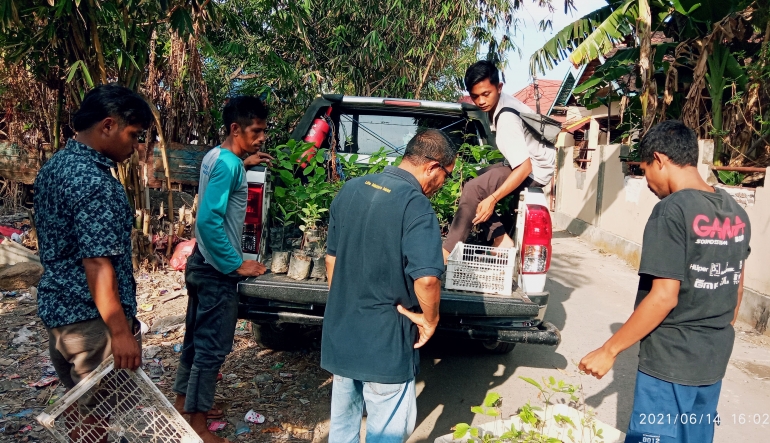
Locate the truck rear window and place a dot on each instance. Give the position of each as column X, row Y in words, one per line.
column 368, row 133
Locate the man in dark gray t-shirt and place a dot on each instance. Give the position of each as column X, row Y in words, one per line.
column 690, row 285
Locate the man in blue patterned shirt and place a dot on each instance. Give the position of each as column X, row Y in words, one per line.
column 87, row 296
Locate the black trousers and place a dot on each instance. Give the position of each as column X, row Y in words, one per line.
column 476, row 190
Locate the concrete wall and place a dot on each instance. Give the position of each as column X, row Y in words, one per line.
column 610, row 208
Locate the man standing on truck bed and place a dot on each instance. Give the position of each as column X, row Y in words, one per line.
column 216, row 264
column 690, row 287
column 529, row 162
column 383, row 258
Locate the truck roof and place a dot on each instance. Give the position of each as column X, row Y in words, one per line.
column 392, row 106
column 390, row 102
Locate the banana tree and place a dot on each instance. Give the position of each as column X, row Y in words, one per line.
column 597, row 33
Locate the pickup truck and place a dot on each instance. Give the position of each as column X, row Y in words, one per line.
column 281, row 309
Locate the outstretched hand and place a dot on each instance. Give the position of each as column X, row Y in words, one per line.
column 597, row 363
column 484, row 210
column 258, row 159
column 425, row 328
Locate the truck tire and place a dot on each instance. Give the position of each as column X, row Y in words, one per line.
column 497, row 347
column 277, row 338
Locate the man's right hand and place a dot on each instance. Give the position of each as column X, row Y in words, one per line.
column 425, row 328
column 251, row 268
column 125, row 351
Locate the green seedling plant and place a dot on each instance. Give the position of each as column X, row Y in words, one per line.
column 300, row 183
column 311, row 215
column 533, row 429
column 376, row 163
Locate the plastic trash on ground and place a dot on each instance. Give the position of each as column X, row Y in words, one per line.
column 181, row 252
column 124, row 404
column 254, row 417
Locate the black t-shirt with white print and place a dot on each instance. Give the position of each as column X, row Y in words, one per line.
column 701, row 239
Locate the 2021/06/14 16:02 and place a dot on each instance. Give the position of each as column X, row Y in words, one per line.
column 694, row 419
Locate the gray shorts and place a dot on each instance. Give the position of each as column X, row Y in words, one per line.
column 77, row 349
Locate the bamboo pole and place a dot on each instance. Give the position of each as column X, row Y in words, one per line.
column 162, row 144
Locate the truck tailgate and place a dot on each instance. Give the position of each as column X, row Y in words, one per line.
column 281, row 288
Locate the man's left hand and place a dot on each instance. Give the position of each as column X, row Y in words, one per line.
column 258, row 159
column 484, row 210
column 425, row 328
column 597, row 363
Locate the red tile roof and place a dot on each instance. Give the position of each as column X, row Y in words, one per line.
column 549, row 90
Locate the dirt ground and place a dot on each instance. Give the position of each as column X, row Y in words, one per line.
column 288, row 388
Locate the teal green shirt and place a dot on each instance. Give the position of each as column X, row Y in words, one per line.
column 222, row 193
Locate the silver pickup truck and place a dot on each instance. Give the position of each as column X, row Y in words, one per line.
column 281, row 308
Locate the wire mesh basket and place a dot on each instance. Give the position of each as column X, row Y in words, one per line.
column 481, row 269
column 123, row 406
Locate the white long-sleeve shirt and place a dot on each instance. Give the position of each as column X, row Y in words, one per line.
column 516, row 142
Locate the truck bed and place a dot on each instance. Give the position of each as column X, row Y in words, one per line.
column 284, row 289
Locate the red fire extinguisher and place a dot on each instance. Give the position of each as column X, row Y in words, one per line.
column 316, row 135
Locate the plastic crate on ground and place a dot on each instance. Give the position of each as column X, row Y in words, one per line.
column 125, row 404
column 481, row 269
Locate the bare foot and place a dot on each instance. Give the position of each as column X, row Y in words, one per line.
column 200, row 426
column 213, row 414
column 179, row 403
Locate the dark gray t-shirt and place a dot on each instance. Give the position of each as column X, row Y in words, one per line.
column 384, row 235
column 701, row 239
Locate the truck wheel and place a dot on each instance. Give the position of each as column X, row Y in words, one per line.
column 497, row 347
column 277, row 338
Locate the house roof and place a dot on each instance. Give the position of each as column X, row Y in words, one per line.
column 549, row 91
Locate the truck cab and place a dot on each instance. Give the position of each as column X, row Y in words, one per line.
column 281, row 308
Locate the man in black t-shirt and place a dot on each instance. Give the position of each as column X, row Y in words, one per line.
column 384, row 265
column 690, row 286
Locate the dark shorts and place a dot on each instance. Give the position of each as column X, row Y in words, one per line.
column 667, row 412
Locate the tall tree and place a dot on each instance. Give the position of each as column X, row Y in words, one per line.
column 406, row 48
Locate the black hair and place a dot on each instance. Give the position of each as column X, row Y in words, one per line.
column 480, row 71
column 431, row 144
column 672, row 138
column 112, row 100
column 243, row 109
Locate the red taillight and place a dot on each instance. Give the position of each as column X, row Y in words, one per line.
column 536, row 244
column 252, row 227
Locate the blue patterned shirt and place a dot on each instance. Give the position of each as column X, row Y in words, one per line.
column 81, row 211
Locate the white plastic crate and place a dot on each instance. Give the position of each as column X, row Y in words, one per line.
column 125, row 403
column 481, row 269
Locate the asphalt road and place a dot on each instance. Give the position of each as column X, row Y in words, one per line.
column 592, row 294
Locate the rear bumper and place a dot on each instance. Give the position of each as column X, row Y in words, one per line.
column 277, row 300
column 544, row 334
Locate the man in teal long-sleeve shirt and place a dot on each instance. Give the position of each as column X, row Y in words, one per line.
column 216, row 265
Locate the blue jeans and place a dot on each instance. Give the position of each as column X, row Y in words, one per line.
column 212, row 312
column 667, row 412
column 391, row 411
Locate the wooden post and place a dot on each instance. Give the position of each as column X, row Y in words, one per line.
column 180, row 222
column 146, row 184
column 162, row 144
